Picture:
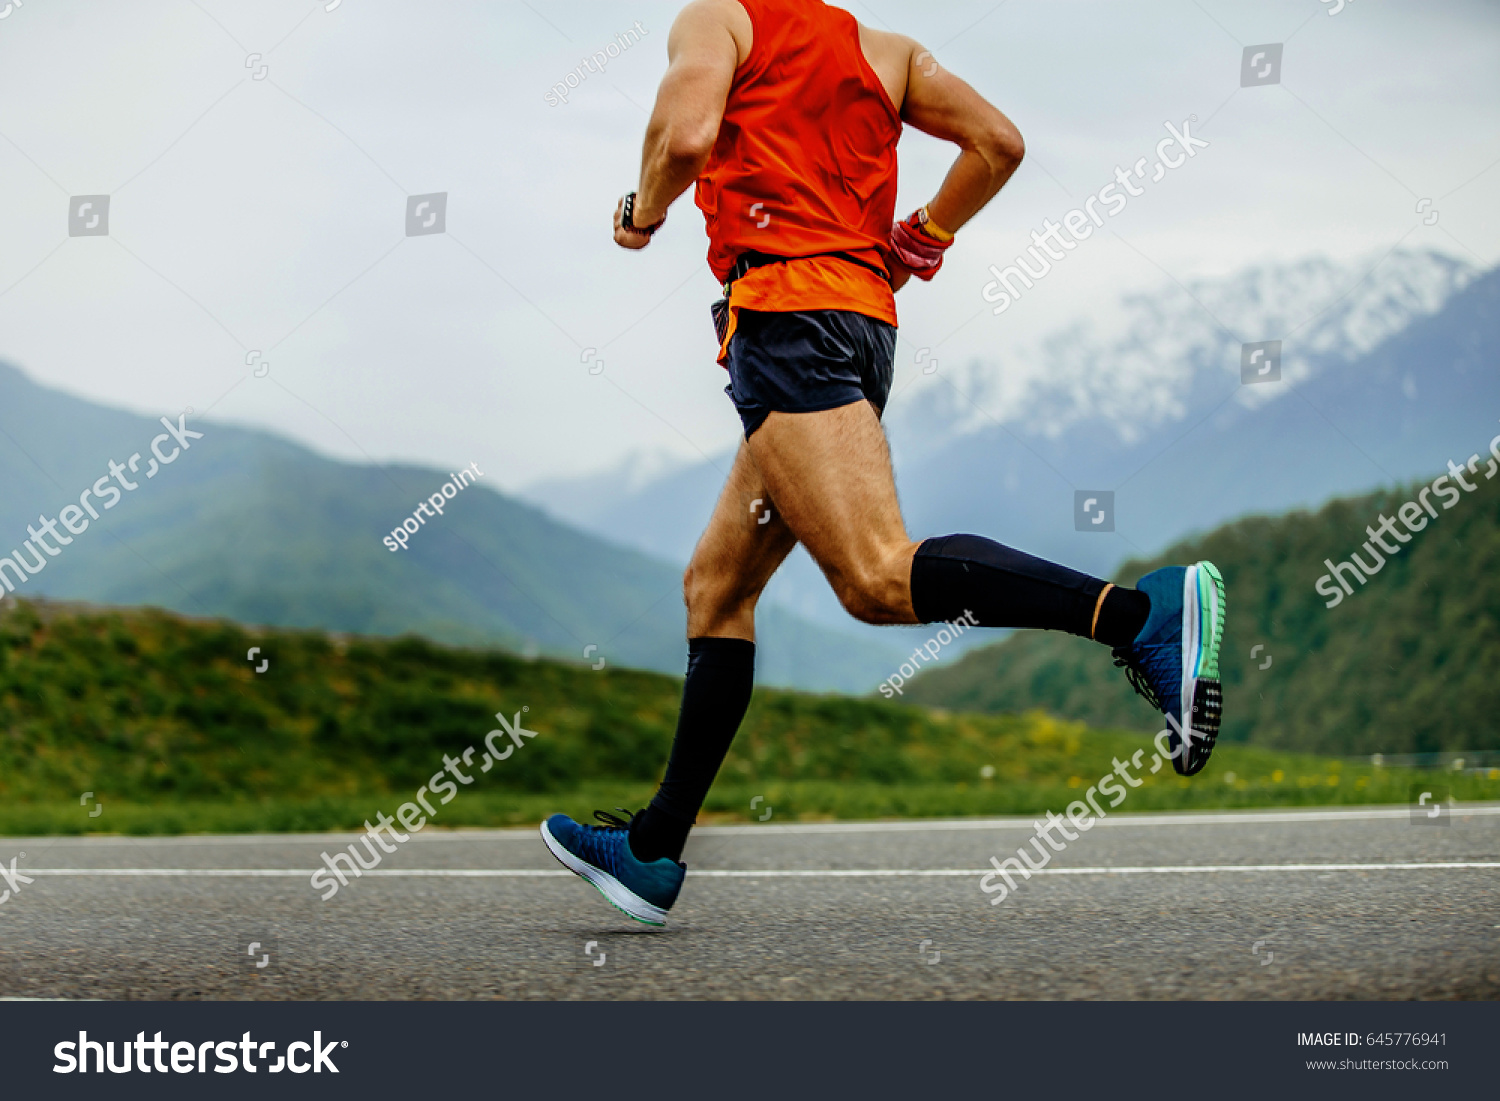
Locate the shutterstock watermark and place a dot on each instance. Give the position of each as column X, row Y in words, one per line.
column 107, row 493
column 1414, row 516
column 1081, row 223
column 449, row 490
column 188, row 1057
column 558, row 93
column 891, row 686
column 1077, row 814
column 410, row 814
column 13, row 878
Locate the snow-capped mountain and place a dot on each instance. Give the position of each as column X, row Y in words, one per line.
column 1149, row 368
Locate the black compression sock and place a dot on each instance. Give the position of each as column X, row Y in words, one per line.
column 1122, row 615
column 720, row 676
column 957, row 574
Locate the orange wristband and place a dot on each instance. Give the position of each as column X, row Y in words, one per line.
column 933, row 228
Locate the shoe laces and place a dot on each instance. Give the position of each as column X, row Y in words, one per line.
column 1143, row 666
column 600, row 844
column 612, row 821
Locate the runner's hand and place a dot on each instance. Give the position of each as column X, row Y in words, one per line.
column 628, row 238
column 916, row 250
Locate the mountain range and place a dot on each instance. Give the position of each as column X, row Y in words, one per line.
column 247, row 525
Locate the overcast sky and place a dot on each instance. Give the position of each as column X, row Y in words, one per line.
column 258, row 203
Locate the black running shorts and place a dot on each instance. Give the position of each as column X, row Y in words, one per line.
column 807, row 361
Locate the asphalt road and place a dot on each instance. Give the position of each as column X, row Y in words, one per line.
column 1254, row 905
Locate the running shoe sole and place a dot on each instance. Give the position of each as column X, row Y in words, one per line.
column 1202, row 699
column 618, row 895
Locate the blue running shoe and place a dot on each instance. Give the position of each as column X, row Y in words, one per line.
column 601, row 854
column 1174, row 661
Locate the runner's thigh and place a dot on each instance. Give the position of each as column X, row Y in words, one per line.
column 829, row 474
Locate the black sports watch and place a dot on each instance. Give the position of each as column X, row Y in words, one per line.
column 627, row 223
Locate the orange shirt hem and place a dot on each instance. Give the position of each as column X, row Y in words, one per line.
column 810, row 283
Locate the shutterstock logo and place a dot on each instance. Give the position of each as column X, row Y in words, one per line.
column 1261, row 65
column 187, row 1057
column 1413, row 515
column 347, row 862
column 88, row 216
column 1431, row 805
column 426, row 214
column 14, row 879
column 1056, row 239
column 757, row 511
column 1260, row 362
column 1094, row 510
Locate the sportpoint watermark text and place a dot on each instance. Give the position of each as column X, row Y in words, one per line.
column 446, row 492
column 623, row 41
column 891, row 686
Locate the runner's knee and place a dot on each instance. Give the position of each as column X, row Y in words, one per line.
column 874, row 594
column 710, row 592
column 862, row 599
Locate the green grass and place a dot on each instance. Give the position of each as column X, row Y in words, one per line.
column 297, row 816
column 1302, row 782
column 164, row 721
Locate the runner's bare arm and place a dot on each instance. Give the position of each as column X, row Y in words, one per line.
column 707, row 42
column 940, row 104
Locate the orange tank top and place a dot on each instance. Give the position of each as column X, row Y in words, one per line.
column 804, row 165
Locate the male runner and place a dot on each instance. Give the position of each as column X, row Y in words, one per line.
column 786, row 114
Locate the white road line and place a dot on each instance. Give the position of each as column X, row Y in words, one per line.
column 434, row 835
column 296, row 873
column 1027, row 822
column 765, row 873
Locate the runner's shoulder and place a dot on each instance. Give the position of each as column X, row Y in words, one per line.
column 890, row 55
column 700, row 16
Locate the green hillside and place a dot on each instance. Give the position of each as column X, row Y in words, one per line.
column 252, row 527
column 170, row 728
column 1409, row 663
